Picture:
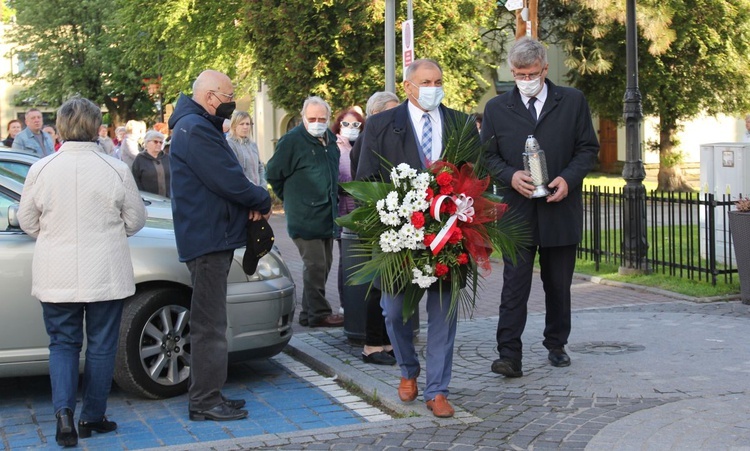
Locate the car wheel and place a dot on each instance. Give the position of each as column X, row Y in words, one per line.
column 153, row 355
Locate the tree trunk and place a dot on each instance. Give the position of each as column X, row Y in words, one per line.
column 670, row 177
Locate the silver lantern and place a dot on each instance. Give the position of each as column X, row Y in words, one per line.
column 535, row 163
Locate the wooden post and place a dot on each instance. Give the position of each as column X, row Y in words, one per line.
column 533, row 6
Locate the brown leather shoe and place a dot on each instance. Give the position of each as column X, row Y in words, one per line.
column 407, row 389
column 329, row 321
column 440, row 407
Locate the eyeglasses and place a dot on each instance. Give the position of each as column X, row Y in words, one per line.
column 533, row 76
column 228, row 96
column 355, row 124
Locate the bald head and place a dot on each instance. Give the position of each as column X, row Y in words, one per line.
column 212, row 88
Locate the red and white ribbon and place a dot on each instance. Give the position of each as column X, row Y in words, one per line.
column 464, row 212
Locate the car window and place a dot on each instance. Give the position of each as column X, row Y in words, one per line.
column 21, row 169
column 5, row 202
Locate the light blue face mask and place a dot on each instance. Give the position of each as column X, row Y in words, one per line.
column 430, row 97
column 317, row 129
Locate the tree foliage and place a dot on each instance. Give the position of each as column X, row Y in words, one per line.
column 335, row 49
column 70, row 48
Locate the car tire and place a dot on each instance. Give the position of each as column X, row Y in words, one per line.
column 153, row 355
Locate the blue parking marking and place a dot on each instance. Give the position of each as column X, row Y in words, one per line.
column 278, row 401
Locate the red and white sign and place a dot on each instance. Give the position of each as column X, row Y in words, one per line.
column 407, row 43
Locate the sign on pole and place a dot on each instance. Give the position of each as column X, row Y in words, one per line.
column 407, row 43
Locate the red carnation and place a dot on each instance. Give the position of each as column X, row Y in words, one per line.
column 430, row 194
column 446, row 189
column 428, row 239
column 417, row 219
column 444, row 178
column 452, row 208
column 441, row 269
column 462, row 259
column 456, row 236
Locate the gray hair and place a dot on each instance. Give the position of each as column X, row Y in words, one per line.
column 152, row 135
column 526, row 52
column 377, row 102
column 79, row 119
column 315, row 100
column 419, row 63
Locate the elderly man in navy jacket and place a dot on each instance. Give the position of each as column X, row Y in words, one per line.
column 560, row 120
column 212, row 201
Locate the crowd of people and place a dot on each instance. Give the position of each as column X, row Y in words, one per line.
column 211, row 169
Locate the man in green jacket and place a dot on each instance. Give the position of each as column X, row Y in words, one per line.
column 304, row 172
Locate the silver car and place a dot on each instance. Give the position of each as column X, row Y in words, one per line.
column 19, row 162
column 153, row 359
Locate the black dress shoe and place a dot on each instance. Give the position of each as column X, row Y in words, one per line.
column 558, row 357
column 391, row 353
column 233, row 403
column 507, row 367
column 378, row 358
column 66, row 432
column 222, row 412
column 102, row 427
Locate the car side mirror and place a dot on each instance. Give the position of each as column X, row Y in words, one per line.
column 13, row 216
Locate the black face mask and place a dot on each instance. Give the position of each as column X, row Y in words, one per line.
column 225, row 110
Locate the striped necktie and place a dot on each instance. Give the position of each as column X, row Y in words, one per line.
column 426, row 143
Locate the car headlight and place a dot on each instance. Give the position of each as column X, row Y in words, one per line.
column 268, row 268
column 271, row 266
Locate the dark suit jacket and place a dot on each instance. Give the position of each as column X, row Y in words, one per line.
column 390, row 135
column 567, row 136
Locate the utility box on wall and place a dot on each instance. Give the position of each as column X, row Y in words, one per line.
column 725, row 169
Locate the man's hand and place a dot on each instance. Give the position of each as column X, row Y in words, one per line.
column 257, row 216
column 523, row 183
column 560, row 189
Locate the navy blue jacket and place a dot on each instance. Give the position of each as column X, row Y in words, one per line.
column 211, row 197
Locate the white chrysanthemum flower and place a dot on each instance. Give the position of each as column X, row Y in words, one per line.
column 390, row 218
column 390, row 241
column 391, row 201
column 421, row 182
column 380, row 205
column 423, row 279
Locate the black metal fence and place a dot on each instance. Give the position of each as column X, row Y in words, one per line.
column 687, row 233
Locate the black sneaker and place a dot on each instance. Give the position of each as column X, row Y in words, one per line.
column 507, row 367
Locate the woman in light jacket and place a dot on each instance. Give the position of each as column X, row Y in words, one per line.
column 81, row 205
column 245, row 149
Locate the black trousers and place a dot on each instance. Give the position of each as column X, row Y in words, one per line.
column 557, row 266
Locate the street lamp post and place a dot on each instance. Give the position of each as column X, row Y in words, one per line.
column 635, row 243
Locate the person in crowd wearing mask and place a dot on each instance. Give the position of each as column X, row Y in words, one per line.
column 377, row 348
column 560, row 120
column 108, row 146
column 244, row 148
column 304, row 173
column 14, row 128
column 212, row 204
column 412, row 133
column 131, row 143
column 32, row 138
column 151, row 167
column 52, row 132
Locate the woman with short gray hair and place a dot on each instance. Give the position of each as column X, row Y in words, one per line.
column 151, row 167
column 81, row 205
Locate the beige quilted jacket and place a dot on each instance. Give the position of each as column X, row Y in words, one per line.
column 81, row 205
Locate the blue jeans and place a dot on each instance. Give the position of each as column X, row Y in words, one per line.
column 441, row 335
column 64, row 324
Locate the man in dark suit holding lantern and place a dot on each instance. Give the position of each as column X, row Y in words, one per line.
column 560, row 120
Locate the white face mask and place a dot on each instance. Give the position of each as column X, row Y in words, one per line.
column 317, row 129
column 530, row 88
column 430, row 97
column 350, row 133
